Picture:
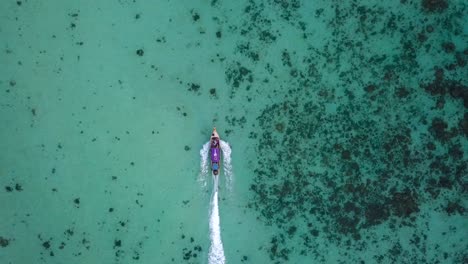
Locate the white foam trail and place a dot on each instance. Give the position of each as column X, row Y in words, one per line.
column 216, row 255
column 204, row 164
column 227, row 166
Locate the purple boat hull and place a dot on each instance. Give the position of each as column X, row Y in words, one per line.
column 215, row 154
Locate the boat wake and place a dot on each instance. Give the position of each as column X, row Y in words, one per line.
column 227, row 166
column 216, row 255
column 204, row 165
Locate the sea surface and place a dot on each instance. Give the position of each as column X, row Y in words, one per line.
column 344, row 130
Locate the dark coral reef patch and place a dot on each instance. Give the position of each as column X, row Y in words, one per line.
column 353, row 154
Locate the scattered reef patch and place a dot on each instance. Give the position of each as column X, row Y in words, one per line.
column 357, row 151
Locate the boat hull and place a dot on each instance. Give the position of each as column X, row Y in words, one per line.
column 215, row 152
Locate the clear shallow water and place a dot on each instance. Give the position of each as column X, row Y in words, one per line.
column 346, row 120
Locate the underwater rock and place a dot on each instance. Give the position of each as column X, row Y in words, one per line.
column 370, row 88
column 422, row 37
column 456, row 152
column 457, row 90
column 117, row 243
column 193, row 87
column 376, row 213
column 436, row 87
column 454, row 207
column 448, row 47
column 187, row 254
column 439, row 130
column 402, row 92
column 404, row 203
column 246, row 50
column 46, row 244
column 4, row 242
column 77, row 202
column 291, row 231
column 195, row 16
column 461, row 61
column 348, row 224
column 286, row 58
column 62, row 245
column 435, row 5
column 279, row 127
column 267, row 37
column 346, row 155
column 236, row 75
column 463, row 124
column 442, row 85
column 445, row 182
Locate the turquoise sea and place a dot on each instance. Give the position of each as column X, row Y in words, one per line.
column 344, row 128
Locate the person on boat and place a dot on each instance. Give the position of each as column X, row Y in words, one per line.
column 215, row 168
column 214, row 142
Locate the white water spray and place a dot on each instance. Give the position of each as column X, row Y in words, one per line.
column 216, row 255
column 204, row 165
column 227, row 166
